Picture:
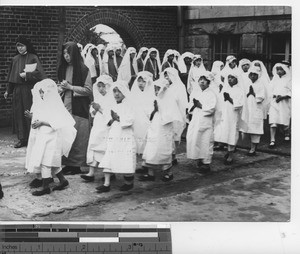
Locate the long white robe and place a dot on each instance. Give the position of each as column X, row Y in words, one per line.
column 99, row 132
column 142, row 105
column 231, row 116
column 120, row 155
column 179, row 94
column 160, row 142
column 47, row 145
column 280, row 113
column 200, row 130
column 253, row 109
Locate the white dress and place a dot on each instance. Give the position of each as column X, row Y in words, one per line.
column 253, row 110
column 200, row 130
column 231, row 116
column 280, row 113
column 99, row 133
column 120, row 155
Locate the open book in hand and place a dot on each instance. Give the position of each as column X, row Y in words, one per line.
column 30, row 67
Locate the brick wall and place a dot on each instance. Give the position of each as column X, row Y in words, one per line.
column 138, row 26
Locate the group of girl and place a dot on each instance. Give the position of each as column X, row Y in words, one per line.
column 143, row 113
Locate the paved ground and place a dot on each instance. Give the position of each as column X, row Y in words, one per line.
column 253, row 189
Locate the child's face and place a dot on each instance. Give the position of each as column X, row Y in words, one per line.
column 101, row 88
column 280, row 71
column 144, row 54
column 197, row 62
column 187, row 60
column 232, row 81
column 119, row 97
column 253, row 77
column 221, row 67
column 102, row 52
column 118, row 52
column 132, row 55
column 232, row 64
column 67, row 56
column 156, row 89
column 94, row 52
column 171, row 58
column 110, row 53
column 21, row 48
column 41, row 93
column 141, row 84
column 153, row 55
column 245, row 67
column 203, row 83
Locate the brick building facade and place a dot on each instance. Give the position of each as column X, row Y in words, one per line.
column 49, row 26
column 256, row 32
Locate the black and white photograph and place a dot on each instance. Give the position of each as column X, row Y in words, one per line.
column 157, row 113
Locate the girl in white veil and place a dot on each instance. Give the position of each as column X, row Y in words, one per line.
column 92, row 63
column 266, row 82
column 180, row 96
column 101, row 51
column 141, row 57
column 128, row 68
column 160, row 143
column 152, row 63
column 51, row 136
column 280, row 105
column 142, row 98
column 169, row 60
column 120, row 155
column 100, row 110
column 196, row 71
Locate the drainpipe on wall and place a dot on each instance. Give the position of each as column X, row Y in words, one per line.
column 180, row 29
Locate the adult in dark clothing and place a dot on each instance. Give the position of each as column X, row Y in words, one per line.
column 25, row 70
column 76, row 89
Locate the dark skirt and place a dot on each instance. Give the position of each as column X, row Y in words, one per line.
column 77, row 155
column 21, row 101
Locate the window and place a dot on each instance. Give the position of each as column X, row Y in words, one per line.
column 278, row 48
column 224, row 45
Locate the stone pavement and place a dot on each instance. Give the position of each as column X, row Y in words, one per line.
column 19, row 204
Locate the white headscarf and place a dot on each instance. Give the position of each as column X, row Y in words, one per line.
column 157, row 58
column 181, row 63
column 279, row 84
column 125, row 69
column 167, row 54
column 139, row 55
column 176, row 56
column 85, row 49
column 146, row 97
column 243, row 62
column 107, row 100
column 195, row 73
column 123, row 87
column 89, row 61
column 179, row 90
column 52, row 110
column 105, row 58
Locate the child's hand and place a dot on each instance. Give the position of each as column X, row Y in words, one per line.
column 28, row 114
column 279, row 98
column 96, row 106
column 37, row 124
column 197, row 103
column 115, row 116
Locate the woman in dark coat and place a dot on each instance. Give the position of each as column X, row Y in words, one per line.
column 25, row 70
column 75, row 85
